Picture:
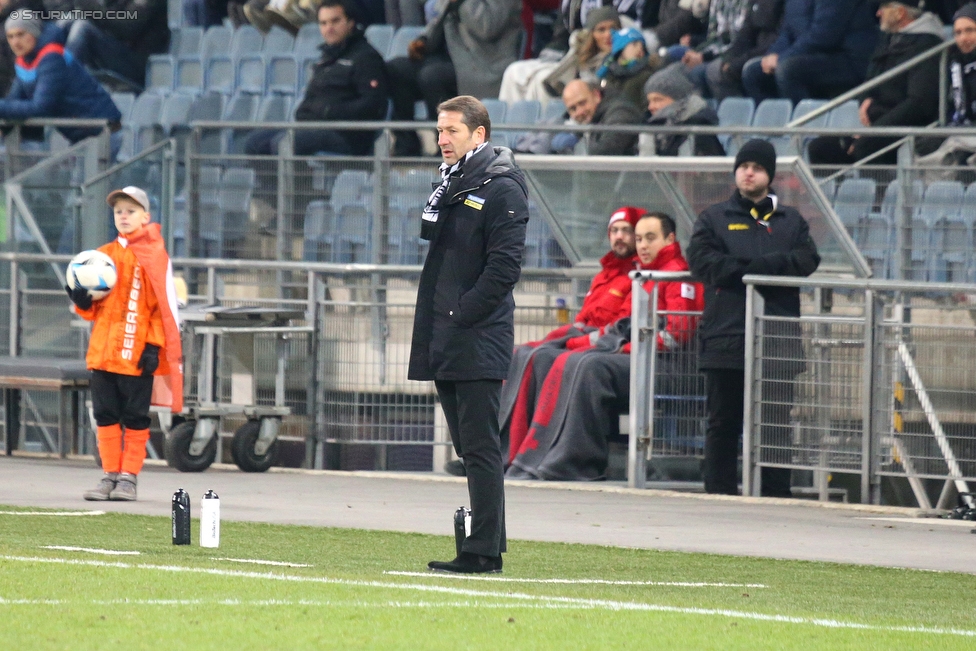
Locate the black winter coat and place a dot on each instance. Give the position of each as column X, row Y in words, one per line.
column 146, row 34
column 464, row 326
column 609, row 112
column 759, row 31
column 348, row 83
column 728, row 243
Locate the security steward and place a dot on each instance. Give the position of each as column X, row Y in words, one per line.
column 751, row 233
column 464, row 329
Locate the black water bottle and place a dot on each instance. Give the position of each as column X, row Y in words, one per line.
column 181, row 518
column 462, row 526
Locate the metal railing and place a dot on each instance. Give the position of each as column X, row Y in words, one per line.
column 883, row 386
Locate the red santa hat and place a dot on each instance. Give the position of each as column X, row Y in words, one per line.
column 630, row 214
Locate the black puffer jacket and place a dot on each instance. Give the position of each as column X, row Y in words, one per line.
column 348, row 83
column 759, row 31
column 728, row 243
column 464, row 324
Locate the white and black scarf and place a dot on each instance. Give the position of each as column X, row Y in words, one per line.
column 428, row 225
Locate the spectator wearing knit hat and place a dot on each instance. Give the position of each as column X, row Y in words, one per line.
column 50, row 83
column 627, row 67
column 672, row 100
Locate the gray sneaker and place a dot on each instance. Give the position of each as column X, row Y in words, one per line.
column 101, row 492
column 125, row 489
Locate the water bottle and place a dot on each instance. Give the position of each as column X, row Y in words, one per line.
column 562, row 312
column 462, row 526
column 181, row 518
column 210, row 520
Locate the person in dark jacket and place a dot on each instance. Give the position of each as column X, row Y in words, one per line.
column 672, row 100
column 50, row 83
column 119, row 46
column 348, row 83
column 671, row 23
column 464, row 328
column 7, row 57
column 758, row 33
column 910, row 100
column 751, row 233
column 585, row 105
column 823, row 48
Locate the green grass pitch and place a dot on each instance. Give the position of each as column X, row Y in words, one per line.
column 350, row 589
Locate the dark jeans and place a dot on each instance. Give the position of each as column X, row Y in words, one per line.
column 99, row 50
column 724, row 396
column 431, row 80
column 832, row 150
column 471, row 409
column 121, row 399
column 801, row 77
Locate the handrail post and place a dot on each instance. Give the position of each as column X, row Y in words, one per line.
column 943, row 86
column 751, row 441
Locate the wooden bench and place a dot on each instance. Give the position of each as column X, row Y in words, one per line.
column 69, row 377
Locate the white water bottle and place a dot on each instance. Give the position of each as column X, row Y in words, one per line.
column 210, row 520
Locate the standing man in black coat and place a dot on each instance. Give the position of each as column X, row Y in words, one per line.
column 748, row 234
column 464, row 329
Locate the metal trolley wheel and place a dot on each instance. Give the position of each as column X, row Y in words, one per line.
column 244, row 448
column 178, row 449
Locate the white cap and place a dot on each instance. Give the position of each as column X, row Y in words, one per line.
column 130, row 192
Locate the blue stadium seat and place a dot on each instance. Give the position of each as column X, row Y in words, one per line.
column 143, row 120
column 175, row 112
column 160, row 73
column 845, row 116
column 734, row 112
column 308, row 40
column 274, row 108
column 217, row 41
column 774, row 113
column 219, row 75
column 189, row 75
column 185, row 41
column 242, row 107
column 380, row 37
column 278, row 41
column 282, row 74
column 401, row 39
column 246, row 40
column 234, row 201
column 208, row 108
column 525, row 111
column 317, row 230
column 124, row 102
column 555, row 109
column 941, row 207
column 180, row 225
column 803, row 107
column 497, row 109
column 350, row 203
column 209, row 222
column 251, row 71
column 853, row 204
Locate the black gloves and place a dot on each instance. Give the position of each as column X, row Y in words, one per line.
column 149, row 361
column 80, row 297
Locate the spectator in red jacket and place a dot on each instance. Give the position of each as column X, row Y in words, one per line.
column 588, row 387
column 609, row 294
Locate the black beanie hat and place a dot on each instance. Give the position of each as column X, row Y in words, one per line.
column 760, row 152
column 966, row 11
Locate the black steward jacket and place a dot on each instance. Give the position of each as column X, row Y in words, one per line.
column 728, row 243
column 464, row 326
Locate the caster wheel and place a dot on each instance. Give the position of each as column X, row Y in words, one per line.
column 242, row 449
column 177, row 449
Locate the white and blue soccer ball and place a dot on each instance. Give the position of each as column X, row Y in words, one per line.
column 94, row 271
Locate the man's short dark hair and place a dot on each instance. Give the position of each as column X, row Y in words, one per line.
column 348, row 8
column 473, row 113
column 667, row 223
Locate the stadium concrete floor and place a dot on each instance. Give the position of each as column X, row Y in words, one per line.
column 602, row 514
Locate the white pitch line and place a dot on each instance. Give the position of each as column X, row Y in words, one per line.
column 603, row 604
column 503, row 579
column 260, row 562
column 60, row 513
column 91, row 550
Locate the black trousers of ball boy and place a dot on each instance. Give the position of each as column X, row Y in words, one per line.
column 122, row 399
column 725, row 389
column 471, row 410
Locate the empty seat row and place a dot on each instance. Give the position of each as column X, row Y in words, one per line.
column 250, row 73
column 246, row 39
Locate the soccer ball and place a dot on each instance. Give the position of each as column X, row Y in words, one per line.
column 94, row 271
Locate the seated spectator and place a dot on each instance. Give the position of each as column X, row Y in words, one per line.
column 52, row 84
column 672, row 100
column 6, row 55
column 588, row 387
column 575, row 15
column 627, row 67
column 463, row 51
column 823, row 49
column 547, row 76
column 118, row 50
column 725, row 19
column 958, row 150
column 909, row 100
column 585, row 105
column 758, row 33
column 348, row 83
column 674, row 22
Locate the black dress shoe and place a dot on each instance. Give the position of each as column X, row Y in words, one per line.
column 467, row 563
column 456, row 468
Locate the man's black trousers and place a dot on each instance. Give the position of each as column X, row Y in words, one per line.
column 471, row 409
column 724, row 396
